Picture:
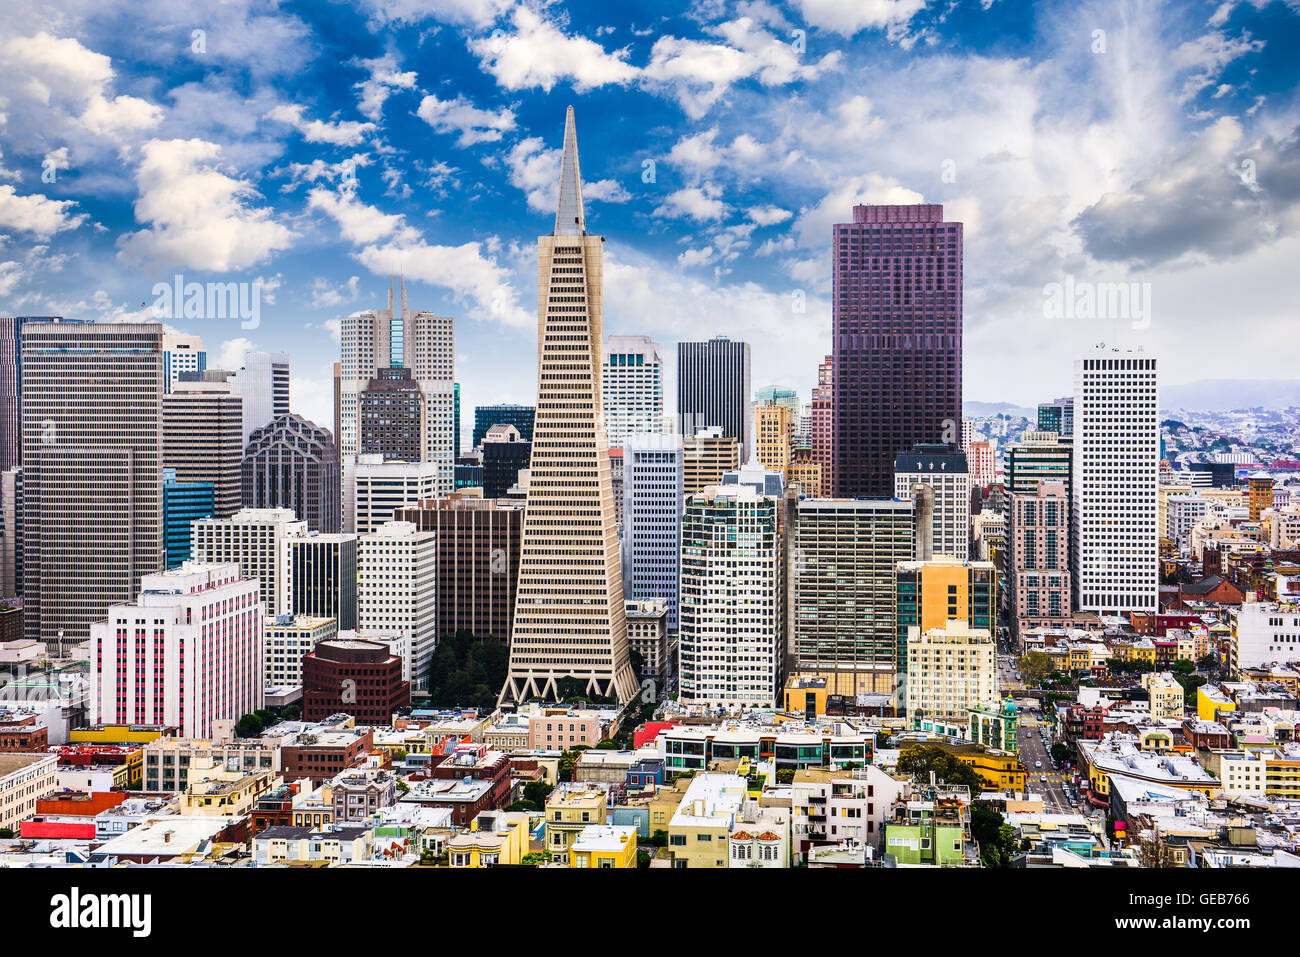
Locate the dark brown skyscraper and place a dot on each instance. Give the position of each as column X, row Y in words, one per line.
column 897, row 334
column 390, row 413
column 292, row 463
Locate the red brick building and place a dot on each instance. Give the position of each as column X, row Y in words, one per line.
column 22, row 733
column 321, row 754
column 353, row 676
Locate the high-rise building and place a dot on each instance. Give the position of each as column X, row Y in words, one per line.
column 1115, row 567
column 397, row 585
column 292, row 463
column 455, row 425
column 320, row 574
column 931, row 592
column 821, row 432
column 803, row 427
column 652, row 514
column 1039, row 457
column 184, row 503
column 706, row 457
column 951, row 669
column 289, row 639
column 1057, row 416
column 713, row 389
column 263, row 383
column 187, row 653
column 648, row 637
column 253, row 539
column 569, row 611
column 1038, row 566
column 805, row 472
column 182, row 353
column 92, row 472
column 478, row 543
column 846, row 552
column 778, row 395
column 416, row 340
column 943, row 470
column 377, row 488
column 11, row 533
column 1260, row 494
column 203, row 438
column 369, row 669
column 772, row 428
column 632, row 387
column 390, row 412
column 731, row 636
column 897, row 332
column 505, row 454
column 521, row 417
column 11, row 369
column 980, row 459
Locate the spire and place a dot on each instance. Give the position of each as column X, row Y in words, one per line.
column 569, row 218
column 390, row 292
column 403, row 292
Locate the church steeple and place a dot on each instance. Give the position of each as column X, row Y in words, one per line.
column 569, row 217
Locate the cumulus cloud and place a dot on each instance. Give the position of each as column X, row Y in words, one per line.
column 461, row 116
column 537, row 53
column 384, row 78
column 199, row 216
column 850, row 17
column 342, row 133
column 700, row 203
column 535, row 170
column 36, row 213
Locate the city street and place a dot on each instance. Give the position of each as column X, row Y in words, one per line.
column 1045, row 779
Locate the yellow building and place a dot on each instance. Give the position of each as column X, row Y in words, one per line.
column 772, row 428
column 701, row 826
column 568, row 811
column 1210, row 701
column 806, row 472
column 1166, row 695
column 804, row 693
column 494, row 837
column 117, row 734
column 1080, row 658
column 1261, row 494
column 604, row 845
column 664, row 803
column 213, row 790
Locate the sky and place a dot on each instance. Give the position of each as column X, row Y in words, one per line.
column 316, row 148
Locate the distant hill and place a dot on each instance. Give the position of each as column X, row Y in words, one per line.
column 1223, row 395
column 977, row 410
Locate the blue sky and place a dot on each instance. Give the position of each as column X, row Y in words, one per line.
column 318, row 146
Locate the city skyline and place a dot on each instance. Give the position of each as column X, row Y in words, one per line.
column 324, row 189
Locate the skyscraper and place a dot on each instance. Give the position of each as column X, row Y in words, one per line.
column 1115, row 567
column 292, row 463
column 203, row 438
column 505, row 454
column 945, row 472
column 419, row 341
column 772, row 428
column 263, row 382
column 397, row 589
column 182, row 353
column 632, row 387
column 652, row 516
column 92, row 472
column 253, row 539
column 1038, row 557
column 1057, row 416
column 321, row 576
column 184, row 503
column 11, row 367
column 377, row 487
column 569, row 611
column 821, row 434
column 706, row 457
column 713, row 389
column 897, row 334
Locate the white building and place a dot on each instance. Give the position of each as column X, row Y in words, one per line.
column 946, row 473
column 288, row 639
column 187, row 653
column 950, row 670
column 263, row 383
column 1182, row 512
column 730, row 645
column 396, row 591
column 632, row 387
column 1266, row 632
column 379, row 487
column 252, row 538
column 1115, row 566
column 652, row 518
column 181, row 353
column 834, row 806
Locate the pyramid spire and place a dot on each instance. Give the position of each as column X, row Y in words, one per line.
column 390, row 292
column 569, row 217
column 403, row 292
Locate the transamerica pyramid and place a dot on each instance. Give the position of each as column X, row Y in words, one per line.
column 569, row 620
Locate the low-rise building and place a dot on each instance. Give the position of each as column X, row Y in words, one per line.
column 604, row 846
column 702, row 824
column 24, row 780
column 493, row 837
column 569, row 810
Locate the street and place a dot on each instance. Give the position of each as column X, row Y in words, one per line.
column 1045, row 779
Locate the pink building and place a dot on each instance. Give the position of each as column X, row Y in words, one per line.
column 979, row 459
column 555, row 729
column 187, row 653
column 1039, row 538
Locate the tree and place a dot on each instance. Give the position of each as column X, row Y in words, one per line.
column 919, row 761
column 1060, row 753
column 249, row 726
column 1208, row 662
column 785, row 775
column 642, row 858
column 996, row 838
column 1182, row 667
column 467, row 672
column 537, row 792
column 1034, row 666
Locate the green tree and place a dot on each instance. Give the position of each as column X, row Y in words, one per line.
column 465, row 671
column 1034, row 666
column 249, row 726
column 1182, row 667
column 920, row 760
column 1208, row 662
column 1060, row 753
column 996, row 838
column 785, row 775
column 642, row 858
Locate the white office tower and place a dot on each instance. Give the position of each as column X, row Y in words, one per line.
column 397, row 579
column 730, row 637
column 378, row 487
column 652, row 518
column 186, row 654
column 1115, row 566
column 570, row 620
column 263, row 382
column 252, row 538
column 399, row 337
column 946, row 473
column 632, row 387
column 182, row 353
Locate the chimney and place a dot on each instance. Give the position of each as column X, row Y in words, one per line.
column 923, row 501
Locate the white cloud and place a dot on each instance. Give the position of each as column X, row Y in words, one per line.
column 358, row 222
column 36, row 213
column 199, row 216
column 768, row 215
column 325, row 294
column 536, row 171
column 342, row 133
column 695, row 257
column 461, row 116
column 230, row 354
column 849, row 17
column 538, row 54
column 384, row 78
column 479, row 13
column 700, row 203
